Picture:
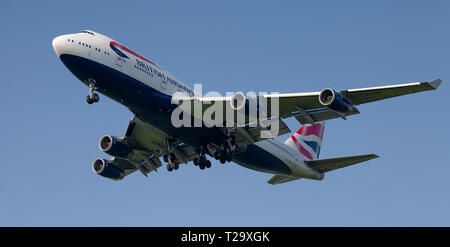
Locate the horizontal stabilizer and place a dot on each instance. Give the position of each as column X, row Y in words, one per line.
column 326, row 165
column 279, row 179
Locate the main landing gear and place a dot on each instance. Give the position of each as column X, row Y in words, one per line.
column 202, row 162
column 171, row 158
column 92, row 97
column 171, row 161
column 224, row 153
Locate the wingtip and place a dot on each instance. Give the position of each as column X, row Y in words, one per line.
column 436, row 83
column 372, row 156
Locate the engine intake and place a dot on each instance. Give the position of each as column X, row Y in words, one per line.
column 107, row 169
column 334, row 100
column 114, row 146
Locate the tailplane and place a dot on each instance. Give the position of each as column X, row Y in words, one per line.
column 307, row 140
column 325, row 165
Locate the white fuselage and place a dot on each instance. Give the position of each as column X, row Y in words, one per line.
column 96, row 47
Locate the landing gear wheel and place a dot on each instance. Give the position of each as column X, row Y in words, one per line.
column 229, row 157
column 216, row 155
column 176, row 166
column 92, row 97
column 223, row 160
column 89, row 100
column 202, row 166
column 169, row 167
column 166, row 158
column 95, row 97
column 203, row 159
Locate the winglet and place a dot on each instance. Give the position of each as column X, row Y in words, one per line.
column 436, row 83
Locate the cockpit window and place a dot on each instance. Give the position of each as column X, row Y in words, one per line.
column 91, row 33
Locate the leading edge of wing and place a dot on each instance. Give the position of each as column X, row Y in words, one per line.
column 426, row 85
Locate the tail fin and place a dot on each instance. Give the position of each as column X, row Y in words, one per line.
column 307, row 140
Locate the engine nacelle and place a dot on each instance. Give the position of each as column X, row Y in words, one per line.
column 107, row 169
column 334, row 100
column 114, row 146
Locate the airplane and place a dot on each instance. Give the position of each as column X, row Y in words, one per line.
column 146, row 89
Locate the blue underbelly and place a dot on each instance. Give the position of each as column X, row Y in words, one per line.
column 144, row 101
column 261, row 160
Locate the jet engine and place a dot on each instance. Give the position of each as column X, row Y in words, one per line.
column 334, row 100
column 107, row 169
column 114, row 146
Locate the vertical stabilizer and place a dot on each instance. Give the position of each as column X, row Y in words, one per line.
column 307, row 140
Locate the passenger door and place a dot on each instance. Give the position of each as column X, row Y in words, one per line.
column 119, row 60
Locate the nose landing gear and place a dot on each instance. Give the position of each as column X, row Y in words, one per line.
column 92, row 97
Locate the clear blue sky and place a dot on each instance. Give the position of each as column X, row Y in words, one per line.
column 50, row 135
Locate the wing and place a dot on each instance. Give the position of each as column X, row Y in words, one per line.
column 307, row 107
column 147, row 144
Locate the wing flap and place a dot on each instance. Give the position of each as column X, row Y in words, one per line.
column 321, row 115
column 326, row 165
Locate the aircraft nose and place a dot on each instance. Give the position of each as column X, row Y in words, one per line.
column 59, row 44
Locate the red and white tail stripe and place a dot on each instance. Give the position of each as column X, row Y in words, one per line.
column 307, row 140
